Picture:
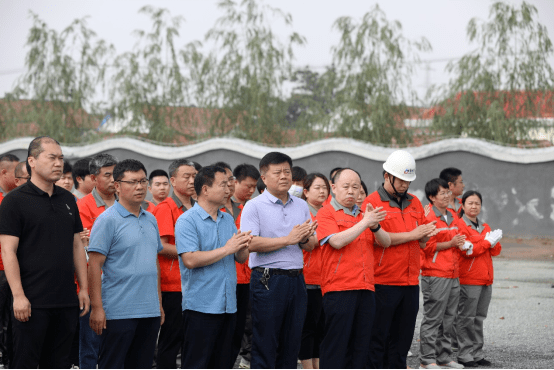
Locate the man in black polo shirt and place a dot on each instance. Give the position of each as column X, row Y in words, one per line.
column 42, row 250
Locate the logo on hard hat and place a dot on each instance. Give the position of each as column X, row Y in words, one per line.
column 408, row 171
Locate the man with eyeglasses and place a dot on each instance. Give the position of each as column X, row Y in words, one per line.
column 397, row 267
column 243, row 277
column 182, row 174
column 91, row 206
column 124, row 275
column 453, row 178
column 21, row 175
column 439, row 281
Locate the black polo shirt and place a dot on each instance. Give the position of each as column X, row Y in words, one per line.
column 45, row 226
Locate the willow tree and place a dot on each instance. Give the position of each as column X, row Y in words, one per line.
column 64, row 73
column 149, row 89
column 498, row 88
column 375, row 63
column 250, row 64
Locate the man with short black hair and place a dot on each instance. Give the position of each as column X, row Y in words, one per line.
column 82, row 178
column 66, row 181
column 208, row 245
column 298, row 176
column 21, row 175
column 242, row 336
column 453, row 178
column 246, row 179
column 91, row 206
column 282, row 228
column 7, row 173
column 124, row 275
column 158, row 186
column 182, row 174
column 42, row 253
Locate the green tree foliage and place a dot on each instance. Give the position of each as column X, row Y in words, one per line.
column 149, row 91
column 503, row 82
column 251, row 64
column 64, row 73
column 375, row 63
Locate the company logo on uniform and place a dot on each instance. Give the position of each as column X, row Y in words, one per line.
column 408, row 171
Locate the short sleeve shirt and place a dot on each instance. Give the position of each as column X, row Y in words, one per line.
column 130, row 274
column 268, row 217
column 210, row 289
column 45, row 226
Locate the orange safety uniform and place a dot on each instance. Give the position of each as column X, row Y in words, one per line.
column 90, row 207
column 167, row 212
column 243, row 271
column 444, row 263
column 477, row 269
column 351, row 267
column 312, row 262
column 397, row 264
column 148, row 206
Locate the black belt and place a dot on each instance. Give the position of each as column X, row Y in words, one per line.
column 291, row 273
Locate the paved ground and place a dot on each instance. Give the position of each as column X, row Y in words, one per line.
column 519, row 329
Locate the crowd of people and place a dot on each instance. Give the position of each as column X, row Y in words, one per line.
column 314, row 269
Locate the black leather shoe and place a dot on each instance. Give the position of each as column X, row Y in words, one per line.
column 483, row 362
column 468, row 364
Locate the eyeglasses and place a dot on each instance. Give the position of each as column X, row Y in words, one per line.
column 143, row 182
column 231, row 178
column 445, row 193
column 23, row 177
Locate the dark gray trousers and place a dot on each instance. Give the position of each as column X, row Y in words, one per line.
column 472, row 311
column 440, row 302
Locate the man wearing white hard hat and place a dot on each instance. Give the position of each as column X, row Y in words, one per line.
column 397, row 267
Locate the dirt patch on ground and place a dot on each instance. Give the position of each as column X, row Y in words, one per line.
column 527, row 249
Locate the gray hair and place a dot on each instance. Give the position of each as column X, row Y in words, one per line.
column 101, row 160
column 174, row 166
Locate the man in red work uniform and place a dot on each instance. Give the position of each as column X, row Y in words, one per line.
column 182, row 174
column 347, row 237
column 397, row 267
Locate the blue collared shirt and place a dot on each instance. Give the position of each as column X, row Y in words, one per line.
column 209, row 289
column 130, row 275
column 268, row 217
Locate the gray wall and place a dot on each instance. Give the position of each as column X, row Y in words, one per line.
column 517, row 197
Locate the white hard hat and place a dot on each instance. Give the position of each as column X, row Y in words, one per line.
column 401, row 164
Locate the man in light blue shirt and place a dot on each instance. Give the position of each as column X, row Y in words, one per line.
column 208, row 246
column 124, row 245
column 281, row 228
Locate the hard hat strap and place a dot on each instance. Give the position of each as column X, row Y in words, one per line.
column 396, row 193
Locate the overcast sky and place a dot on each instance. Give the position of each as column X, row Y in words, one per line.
column 442, row 22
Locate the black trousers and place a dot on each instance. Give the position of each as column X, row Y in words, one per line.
column 393, row 329
column 207, row 340
column 243, row 297
column 129, row 343
column 348, row 324
column 277, row 318
column 314, row 326
column 171, row 332
column 6, row 339
column 45, row 340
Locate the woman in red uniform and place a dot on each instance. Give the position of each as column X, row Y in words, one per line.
column 476, row 277
column 316, row 191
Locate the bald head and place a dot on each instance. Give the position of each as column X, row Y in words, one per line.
column 7, row 167
column 347, row 187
